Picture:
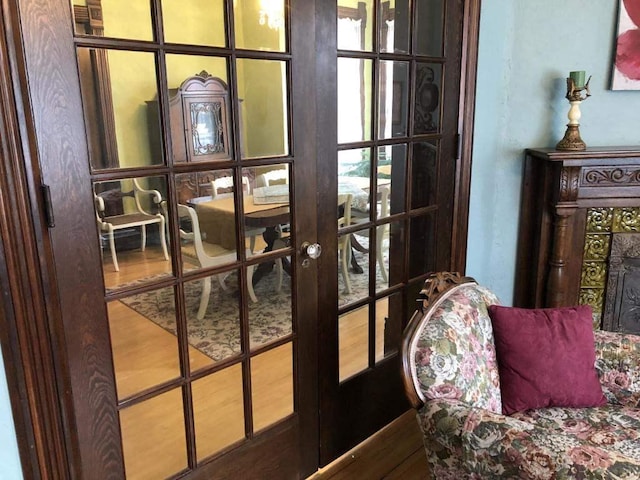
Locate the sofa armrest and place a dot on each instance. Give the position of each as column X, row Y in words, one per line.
column 618, row 366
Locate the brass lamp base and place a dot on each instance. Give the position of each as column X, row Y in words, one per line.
column 571, row 140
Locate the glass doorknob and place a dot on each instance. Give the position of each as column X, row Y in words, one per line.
column 311, row 250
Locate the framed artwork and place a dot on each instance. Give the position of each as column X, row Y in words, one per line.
column 626, row 69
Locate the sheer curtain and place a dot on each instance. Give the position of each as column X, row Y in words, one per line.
column 349, row 84
column 388, row 104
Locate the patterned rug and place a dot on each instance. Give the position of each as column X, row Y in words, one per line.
column 217, row 335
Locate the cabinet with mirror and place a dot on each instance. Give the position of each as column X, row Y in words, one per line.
column 199, row 121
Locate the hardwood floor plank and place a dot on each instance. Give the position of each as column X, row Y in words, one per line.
column 413, row 468
column 380, row 455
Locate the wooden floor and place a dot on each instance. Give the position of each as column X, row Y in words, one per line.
column 146, row 355
column 394, row 453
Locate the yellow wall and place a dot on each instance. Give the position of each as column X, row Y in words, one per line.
column 127, row 19
column 199, row 22
column 133, row 82
column 133, row 77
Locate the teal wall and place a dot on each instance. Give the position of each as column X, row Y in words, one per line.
column 9, row 460
column 527, row 49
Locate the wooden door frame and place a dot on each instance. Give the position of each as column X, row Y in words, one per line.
column 30, row 332
column 466, row 116
column 56, row 363
column 28, row 301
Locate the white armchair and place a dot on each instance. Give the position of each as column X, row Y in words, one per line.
column 137, row 218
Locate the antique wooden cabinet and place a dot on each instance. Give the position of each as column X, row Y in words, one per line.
column 199, row 119
column 572, row 202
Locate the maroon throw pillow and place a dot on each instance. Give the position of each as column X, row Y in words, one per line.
column 546, row 357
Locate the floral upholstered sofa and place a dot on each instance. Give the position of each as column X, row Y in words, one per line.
column 452, row 378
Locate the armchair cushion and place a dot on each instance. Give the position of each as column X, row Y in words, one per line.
column 546, row 358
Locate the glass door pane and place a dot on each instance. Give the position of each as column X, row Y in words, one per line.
column 397, row 104
column 197, row 256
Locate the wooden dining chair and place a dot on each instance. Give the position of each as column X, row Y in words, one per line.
column 205, row 254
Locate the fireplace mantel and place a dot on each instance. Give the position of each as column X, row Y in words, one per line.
column 559, row 189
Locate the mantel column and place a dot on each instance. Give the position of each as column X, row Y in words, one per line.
column 558, row 278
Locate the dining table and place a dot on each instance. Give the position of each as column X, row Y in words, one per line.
column 218, row 220
column 266, row 209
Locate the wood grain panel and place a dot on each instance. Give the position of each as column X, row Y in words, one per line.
column 62, row 149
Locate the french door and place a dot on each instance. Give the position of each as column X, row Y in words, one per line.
column 397, row 101
column 180, row 282
column 192, row 157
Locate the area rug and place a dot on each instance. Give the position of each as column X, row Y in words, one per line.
column 217, row 335
column 360, row 281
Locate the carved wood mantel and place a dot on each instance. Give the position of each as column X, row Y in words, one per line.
column 558, row 188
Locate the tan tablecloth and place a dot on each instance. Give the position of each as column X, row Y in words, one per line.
column 218, row 222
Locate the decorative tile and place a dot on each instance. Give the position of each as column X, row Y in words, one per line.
column 596, row 247
column 593, row 297
column 599, row 220
column 601, row 224
column 626, row 220
column 594, row 274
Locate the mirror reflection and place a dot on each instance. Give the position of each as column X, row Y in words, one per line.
column 144, row 356
column 218, row 424
column 199, row 111
column 388, row 326
column 427, row 104
column 424, row 170
column 354, row 99
column 430, row 26
column 272, row 386
column 264, row 99
column 382, row 317
column 153, row 437
column 393, row 99
column 421, row 246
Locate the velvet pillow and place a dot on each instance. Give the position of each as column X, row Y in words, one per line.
column 546, row 357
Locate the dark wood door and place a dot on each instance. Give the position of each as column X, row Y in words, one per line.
column 135, row 386
column 178, row 277
column 397, row 77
